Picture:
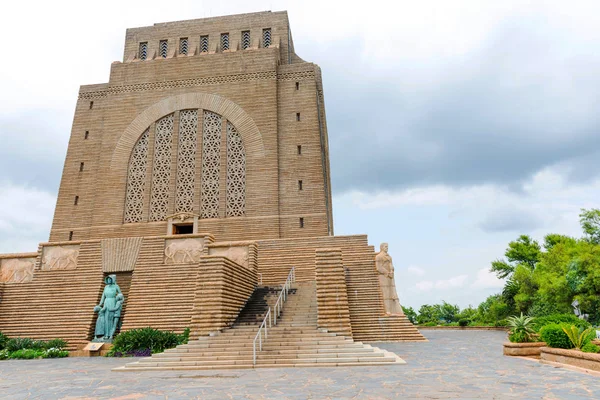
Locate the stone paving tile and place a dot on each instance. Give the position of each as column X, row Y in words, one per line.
column 452, row 365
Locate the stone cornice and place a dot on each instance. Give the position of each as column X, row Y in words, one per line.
column 212, row 80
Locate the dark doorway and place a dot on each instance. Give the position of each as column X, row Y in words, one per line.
column 183, row 229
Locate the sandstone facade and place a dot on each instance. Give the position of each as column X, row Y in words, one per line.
column 199, row 171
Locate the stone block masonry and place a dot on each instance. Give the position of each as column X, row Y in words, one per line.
column 332, row 299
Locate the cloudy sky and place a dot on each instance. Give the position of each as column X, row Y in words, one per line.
column 454, row 126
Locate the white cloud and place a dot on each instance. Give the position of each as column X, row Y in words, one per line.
column 414, row 270
column 442, row 284
column 486, row 279
column 25, row 218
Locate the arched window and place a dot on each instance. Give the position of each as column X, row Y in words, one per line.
column 173, row 142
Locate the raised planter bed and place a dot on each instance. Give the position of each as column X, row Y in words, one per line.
column 574, row 358
column 523, row 349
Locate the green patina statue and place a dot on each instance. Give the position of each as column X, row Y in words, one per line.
column 109, row 310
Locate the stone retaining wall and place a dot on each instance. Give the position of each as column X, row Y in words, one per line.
column 574, row 358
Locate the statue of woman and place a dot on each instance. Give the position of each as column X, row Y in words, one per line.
column 385, row 268
column 106, row 309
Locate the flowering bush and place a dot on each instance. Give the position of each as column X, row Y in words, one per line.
column 55, row 352
column 26, row 348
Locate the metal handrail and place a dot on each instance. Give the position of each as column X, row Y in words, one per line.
column 259, row 335
column 283, row 295
column 267, row 319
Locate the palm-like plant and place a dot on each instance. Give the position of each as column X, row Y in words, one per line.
column 521, row 328
column 578, row 336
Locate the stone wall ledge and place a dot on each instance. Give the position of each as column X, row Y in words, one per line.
column 464, row 328
column 574, row 358
column 18, row 255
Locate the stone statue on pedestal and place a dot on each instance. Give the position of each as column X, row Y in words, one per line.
column 108, row 309
column 385, row 268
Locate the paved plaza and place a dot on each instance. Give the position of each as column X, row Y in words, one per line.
column 453, row 364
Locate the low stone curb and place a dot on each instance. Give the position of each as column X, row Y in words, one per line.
column 523, row 349
column 464, row 328
column 575, row 358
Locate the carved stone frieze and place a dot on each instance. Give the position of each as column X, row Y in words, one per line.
column 16, row 270
column 60, row 257
column 238, row 255
column 183, row 251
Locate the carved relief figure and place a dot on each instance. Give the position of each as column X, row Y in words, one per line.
column 60, row 258
column 107, row 309
column 238, row 255
column 385, row 268
column 183, row 251
column 17, row 270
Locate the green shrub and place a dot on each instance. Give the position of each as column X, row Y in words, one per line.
column 16, row 344
column 3, row 340
column 519, row 337
column 25, row 354
column 590, row 348
column 501, row 322
column 463, row 322
column 55, row 352
column 4, row 354
column 184, row 337
column 554, row 336
column 570, row 319
column 146, row 338
column 579, row 336
column 521, row 328
column 55, row 344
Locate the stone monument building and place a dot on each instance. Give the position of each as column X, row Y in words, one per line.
column 197, row 174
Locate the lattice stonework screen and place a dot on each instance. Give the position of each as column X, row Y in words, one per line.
column 236, row 174
column 136, row 180
column 211, row 160
column 161, row 173
column 186, row 185
column 186, row 160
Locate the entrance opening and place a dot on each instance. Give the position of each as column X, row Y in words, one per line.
column 183, row 229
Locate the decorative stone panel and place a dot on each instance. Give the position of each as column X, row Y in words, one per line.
column 236, row 174
column 211, row 162
column 186, row 160
column 161, row 173
column 60, row 257
column 120, row 255
column 183, row 251
column 17, row 270
column 242, row 253
column 136, row 180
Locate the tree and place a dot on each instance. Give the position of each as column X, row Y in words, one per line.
column 427, row 314
column 447, row 312
column 410, row 314
column 523, row 251
column 590, row 223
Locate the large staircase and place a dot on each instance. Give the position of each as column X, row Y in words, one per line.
column 294, row 341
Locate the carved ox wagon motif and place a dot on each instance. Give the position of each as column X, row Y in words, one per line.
column 185, row 251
